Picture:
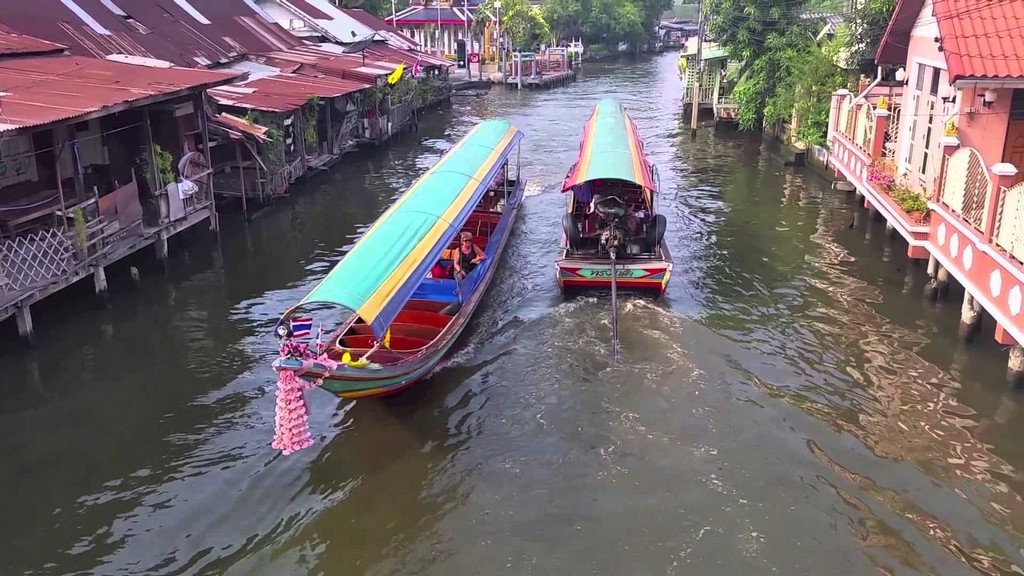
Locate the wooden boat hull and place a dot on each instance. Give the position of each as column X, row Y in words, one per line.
column 352, row 383
column 639, row 275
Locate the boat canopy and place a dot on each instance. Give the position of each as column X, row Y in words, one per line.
column 611, row 149
column 380, row 273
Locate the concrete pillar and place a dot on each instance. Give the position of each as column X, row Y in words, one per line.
column 1015, row 367
column 889, row 229
column 23, row 316
column 161, row 247
column 970, row 318
column 908, row 278
column 99, row 280
column 931, row 288
column 942, row 279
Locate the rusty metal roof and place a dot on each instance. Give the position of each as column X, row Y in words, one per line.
column 194, row 33
column 238, row 128
column 386, row 53
column 12, row 44
column 283, row 92
column 36, row 91
column 345, row 66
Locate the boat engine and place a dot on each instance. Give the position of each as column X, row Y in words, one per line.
column 613, row 230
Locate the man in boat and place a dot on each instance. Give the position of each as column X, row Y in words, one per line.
column 467, row 256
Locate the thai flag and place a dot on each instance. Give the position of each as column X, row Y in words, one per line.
column 301, row 327
column 416, row 67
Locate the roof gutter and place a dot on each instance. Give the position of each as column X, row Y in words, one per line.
column 878, row 78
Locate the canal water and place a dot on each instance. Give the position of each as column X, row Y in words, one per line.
column 793, row 407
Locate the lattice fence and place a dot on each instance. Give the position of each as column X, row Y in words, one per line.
column 966, row 186
column 1009, row 230
column 846, row 121
column 34, row 260
column 864, row 136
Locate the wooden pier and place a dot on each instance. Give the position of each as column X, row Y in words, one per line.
column 549, row 70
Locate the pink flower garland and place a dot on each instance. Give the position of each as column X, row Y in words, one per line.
column 291, row 424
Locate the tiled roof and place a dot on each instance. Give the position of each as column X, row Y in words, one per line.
column 982, row 39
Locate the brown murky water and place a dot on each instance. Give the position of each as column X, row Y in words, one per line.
column 793, row 407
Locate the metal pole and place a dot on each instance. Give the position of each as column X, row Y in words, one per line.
column 695, row 99
column 615, row 310
column 394, row 19
column 501, row 49
column 468, row 44
column 438, row 35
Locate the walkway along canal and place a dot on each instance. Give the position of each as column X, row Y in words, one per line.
column 794, row 406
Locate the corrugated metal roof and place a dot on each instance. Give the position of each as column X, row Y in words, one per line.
column 344, row 66
column 186, row 32
column 394, row 36
column 385, row 53
column 283, row 93
column 983, row 40
column 18, row 44
column 41, row 90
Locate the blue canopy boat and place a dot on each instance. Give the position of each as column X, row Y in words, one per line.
column 401, row 311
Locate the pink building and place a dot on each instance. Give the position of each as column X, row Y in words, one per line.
column 936, row 146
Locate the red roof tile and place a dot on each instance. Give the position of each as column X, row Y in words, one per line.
column 40, row 90
column 17, row 44
column 982, row 38
column 283, row 92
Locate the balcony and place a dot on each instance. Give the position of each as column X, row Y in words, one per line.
column 862, row 143
column 977, row 234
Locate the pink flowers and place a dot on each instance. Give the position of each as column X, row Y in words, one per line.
column 291, row 425
column 881, row 175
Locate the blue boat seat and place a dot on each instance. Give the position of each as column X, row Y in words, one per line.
column 436, row 289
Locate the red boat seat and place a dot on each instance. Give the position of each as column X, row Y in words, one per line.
column 398, row 343
column 423, row 318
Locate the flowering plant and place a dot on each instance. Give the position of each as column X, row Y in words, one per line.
column 882, row 175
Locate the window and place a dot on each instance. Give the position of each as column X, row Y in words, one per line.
column 1017, row 105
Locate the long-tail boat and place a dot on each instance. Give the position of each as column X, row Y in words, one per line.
column 611, row 222
column 396, row 303
column 612, row 236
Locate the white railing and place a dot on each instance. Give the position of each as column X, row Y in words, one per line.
column 1009, row 229
column 966, row 186
column 892, row 132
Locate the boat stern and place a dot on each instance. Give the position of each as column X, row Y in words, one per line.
column 647, row 276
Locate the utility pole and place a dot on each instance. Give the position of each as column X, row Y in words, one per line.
column 695, row 97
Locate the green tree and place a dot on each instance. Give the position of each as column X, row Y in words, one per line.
column 521, row 23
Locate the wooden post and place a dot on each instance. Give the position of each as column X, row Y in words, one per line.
column 300, row 135
column 153, row 169
column 241, row 178
column 76, row 169
column 328, row 104
column 200, row 99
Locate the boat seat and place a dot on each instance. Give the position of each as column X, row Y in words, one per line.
column 402, row 329
column 399, row 343
column 437, row 290
column 424, row 318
